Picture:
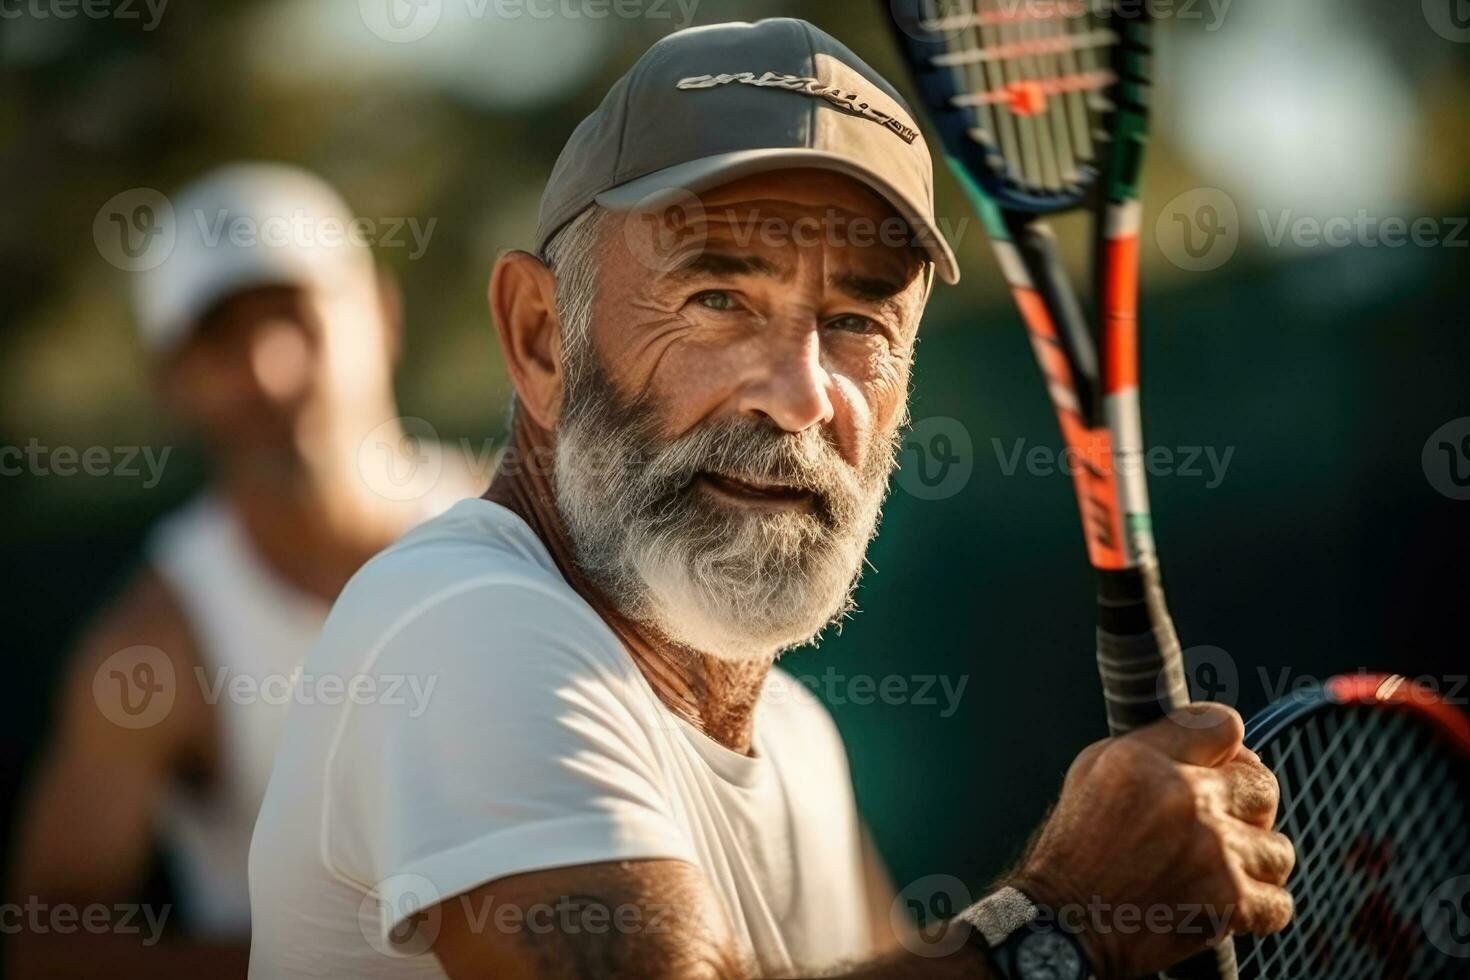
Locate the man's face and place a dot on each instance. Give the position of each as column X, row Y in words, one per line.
column 730, row 418
column 267, row 370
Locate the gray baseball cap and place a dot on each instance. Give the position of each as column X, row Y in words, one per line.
column 709, row 105
column 244, row 225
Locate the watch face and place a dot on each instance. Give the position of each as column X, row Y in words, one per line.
column 1048, row 956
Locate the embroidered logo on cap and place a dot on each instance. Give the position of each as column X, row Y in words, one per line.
column 842, row 99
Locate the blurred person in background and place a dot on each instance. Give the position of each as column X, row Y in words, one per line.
column 273, row 336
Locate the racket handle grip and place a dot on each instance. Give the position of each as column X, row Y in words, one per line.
column 1138, row 651
column 1142, row 667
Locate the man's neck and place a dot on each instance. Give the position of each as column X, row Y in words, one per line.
column 313, row 531
column 716, row 696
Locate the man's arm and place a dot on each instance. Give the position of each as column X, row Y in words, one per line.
column 86, row 830
column 659, row 920
column 1158, row 823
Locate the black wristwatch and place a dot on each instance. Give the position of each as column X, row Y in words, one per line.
column 1025, row 941
column 1042, row 951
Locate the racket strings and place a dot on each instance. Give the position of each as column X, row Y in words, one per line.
column 1341, row 837
column 1383, row 884
column 1319, row 834
column 1376, row 810
column 1032, row 74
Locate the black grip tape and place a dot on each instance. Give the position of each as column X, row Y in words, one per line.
column 1143, row 679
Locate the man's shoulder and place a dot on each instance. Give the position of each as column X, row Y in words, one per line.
column 473, row 541
column 476, row 574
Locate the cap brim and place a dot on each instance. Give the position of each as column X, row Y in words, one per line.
column 664, row 187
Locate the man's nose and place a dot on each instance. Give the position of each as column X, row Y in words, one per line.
column 792, row 388
column 280, row 360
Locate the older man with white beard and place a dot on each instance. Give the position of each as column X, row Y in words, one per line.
column 611, row 778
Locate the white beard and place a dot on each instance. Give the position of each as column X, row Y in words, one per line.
column 735, row 584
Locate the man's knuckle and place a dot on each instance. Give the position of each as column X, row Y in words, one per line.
column 1087, row 759
column 1228, row 715
column 1259, row 777
column 1269, row 914
column 1285, row 852
column 1116, row 763
column 1206, row 718
column 1285, row 912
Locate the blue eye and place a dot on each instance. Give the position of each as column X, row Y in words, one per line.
column 853, row 323
column 717, row 300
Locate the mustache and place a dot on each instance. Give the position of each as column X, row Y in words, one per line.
column 660, row 472
column 758, row 452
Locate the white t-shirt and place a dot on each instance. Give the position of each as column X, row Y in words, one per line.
column 467, row 716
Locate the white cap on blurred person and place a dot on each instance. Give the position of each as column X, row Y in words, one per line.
column 241, row 226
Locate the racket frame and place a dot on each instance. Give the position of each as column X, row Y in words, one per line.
column 1382, row 690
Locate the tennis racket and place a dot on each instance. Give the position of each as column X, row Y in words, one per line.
column 1375, row 793
column 1042, row 108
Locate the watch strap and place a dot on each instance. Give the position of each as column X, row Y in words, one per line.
column 1001, row 914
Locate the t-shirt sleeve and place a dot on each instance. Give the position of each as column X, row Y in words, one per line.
column 502, row 735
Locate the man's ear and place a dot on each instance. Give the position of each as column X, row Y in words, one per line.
column 523, row 303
